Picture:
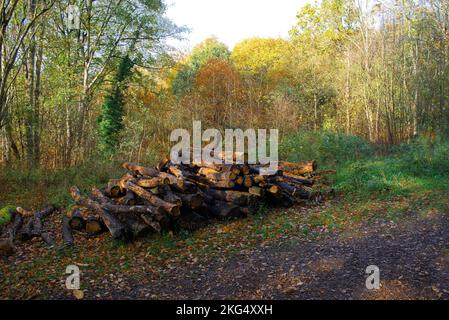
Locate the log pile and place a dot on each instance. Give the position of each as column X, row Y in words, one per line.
column 148, row 200
column 169, row 197
column 26, row 226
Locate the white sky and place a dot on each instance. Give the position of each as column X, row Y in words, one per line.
column 233, row 20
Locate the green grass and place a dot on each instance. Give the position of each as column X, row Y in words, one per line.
column 34, row 189
column 412, row 167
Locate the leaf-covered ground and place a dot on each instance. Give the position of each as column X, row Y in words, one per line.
column 317, row 252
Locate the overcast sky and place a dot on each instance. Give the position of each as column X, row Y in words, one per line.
column 233, row 20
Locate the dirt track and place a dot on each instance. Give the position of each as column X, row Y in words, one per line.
column 412, row 254
column 413, row 259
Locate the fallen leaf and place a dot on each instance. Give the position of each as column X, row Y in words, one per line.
column 79, row 294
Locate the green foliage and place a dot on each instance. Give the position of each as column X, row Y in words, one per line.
column 209, row 49
column 409, row 167
column 6, row 214
column 330, row 21
column 266, row 58
column 110, row 121
column 329, row 148
column 412, row 167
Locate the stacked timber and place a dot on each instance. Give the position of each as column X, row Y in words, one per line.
column 148, row 200
column 169, row 196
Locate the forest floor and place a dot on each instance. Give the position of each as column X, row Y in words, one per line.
column 314, row 252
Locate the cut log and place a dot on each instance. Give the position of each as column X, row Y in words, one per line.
column 139, row 170
column 137, row 227
column 262, row 184
column 296, row 192
column 99, row 196
column 147, row 209
column 235, row 197
column 113, row 189
column 298, row 168
column 38, row 220
column 153, row 182
column 115, row 227
column 234, row 156
column 128, row 200
column 191, row 221
column 173, row 209
column 33, row 228
column 245, row 169
column 67, row 231
column 182, row 173
column 281, row 199
column 239, row 181
column 292, row 178
column 151, row 222
column 224, row 210
column 162, row 165
column 24, row 213
column 171, row 197
column 17, row 222
column 187, row 187
column 191, row 201
column 7, row 245
column 274, row 189
column 247, row 181
column 214, row 175
column 235, row 169
column 176, row 171
column 224, row 184
column 94, row 226
column 27, row 231
column 257, row 170
column 77, row 221
column 259, row 179
column 257, row 191
column 172, row 179
column 124, row 180
column 48, row 238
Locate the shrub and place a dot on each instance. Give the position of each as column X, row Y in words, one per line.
column 329, row 148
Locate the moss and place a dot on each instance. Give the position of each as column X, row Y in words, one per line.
column 6, row 214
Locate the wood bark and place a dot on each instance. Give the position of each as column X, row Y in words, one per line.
column 173, row 209
column 139, row 170
column 67, row 235
column 236, row 197
column 77, row 221
column 116, row 228
column 222, row 209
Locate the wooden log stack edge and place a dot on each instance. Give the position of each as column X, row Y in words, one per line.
column 170, row 196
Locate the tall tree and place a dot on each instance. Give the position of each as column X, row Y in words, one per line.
column 110, row 121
